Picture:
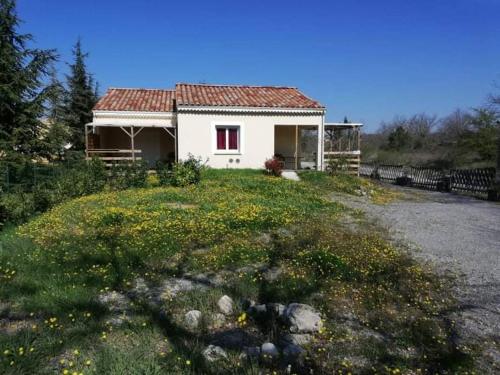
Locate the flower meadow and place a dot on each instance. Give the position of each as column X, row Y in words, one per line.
column 383, row 312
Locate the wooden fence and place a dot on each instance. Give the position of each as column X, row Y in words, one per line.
column 473, row 181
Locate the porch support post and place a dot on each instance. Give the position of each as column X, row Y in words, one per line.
column 296, row 146
column 321, row 144
column 132, row 142
column 174, row 136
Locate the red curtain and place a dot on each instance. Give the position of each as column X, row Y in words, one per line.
column 221, row 139
column 233, row 139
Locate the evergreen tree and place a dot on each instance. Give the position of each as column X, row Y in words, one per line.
column 22, row 88
column 57, row 134
column 81, row 97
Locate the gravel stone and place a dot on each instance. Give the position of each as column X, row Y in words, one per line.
column 460, row 235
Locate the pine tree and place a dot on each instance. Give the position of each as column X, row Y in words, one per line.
column 57, row 134
column 22, row 88
column 81, row 97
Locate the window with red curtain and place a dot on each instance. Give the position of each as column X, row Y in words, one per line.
column 233, row 138
column 228, row 138
column 221, row 138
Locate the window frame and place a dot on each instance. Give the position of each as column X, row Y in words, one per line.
column 226, row 126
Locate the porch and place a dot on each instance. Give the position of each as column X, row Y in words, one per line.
column 297, row 146
column 118, row 144
column 342, row 146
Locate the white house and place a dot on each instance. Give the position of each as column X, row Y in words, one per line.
column 230, row 126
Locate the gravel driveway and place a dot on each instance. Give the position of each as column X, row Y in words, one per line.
column 458, row 234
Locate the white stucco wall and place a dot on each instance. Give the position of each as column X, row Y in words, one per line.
column 196, row 135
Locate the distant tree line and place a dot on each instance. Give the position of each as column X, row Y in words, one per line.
column 461, row 139
column 40, row 115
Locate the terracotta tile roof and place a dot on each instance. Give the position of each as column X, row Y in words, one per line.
column 147, row 100
column 242, row 96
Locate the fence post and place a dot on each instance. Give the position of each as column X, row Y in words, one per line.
column 494, row 192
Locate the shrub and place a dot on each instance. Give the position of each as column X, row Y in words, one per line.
column 164, row 172
column 82, row 178
column 274, row 166
column 130, row 175
column 337, row 165
column 185, row 172
column 43, row 198
column 17, row 207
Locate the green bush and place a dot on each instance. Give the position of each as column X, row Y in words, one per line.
column 131, row 175
column 83, row 178
column 185, row 172
column 337, row 165
column 17, row 207
column 164, row 172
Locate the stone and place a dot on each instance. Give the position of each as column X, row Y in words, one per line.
column 218, row 320
column 214, row 353
column 114, row 301
column 225, row 304
column 293, row 352
column 14, row 327
column 200, row 278
column 140, row 288
column 171, row 287
column 297, row 338
column 265, row 238
column 118, row 320
column 245, row 270
column 201, row 251
column 235, row 339
column 302, row 318
column 192, row 319
column 269, row 350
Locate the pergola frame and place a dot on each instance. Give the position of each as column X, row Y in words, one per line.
column 346, row 146
column 133, row 131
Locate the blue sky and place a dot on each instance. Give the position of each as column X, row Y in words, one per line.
column 368, row 60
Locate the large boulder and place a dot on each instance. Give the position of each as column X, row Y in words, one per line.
column 302, row 318
column 225, row 304
column 214, row 353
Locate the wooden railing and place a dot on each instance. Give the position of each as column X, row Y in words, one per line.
column 350, row 159
column 112, row 156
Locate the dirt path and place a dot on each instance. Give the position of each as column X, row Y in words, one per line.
column 460, row 235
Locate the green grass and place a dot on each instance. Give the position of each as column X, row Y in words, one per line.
column 53, row 268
